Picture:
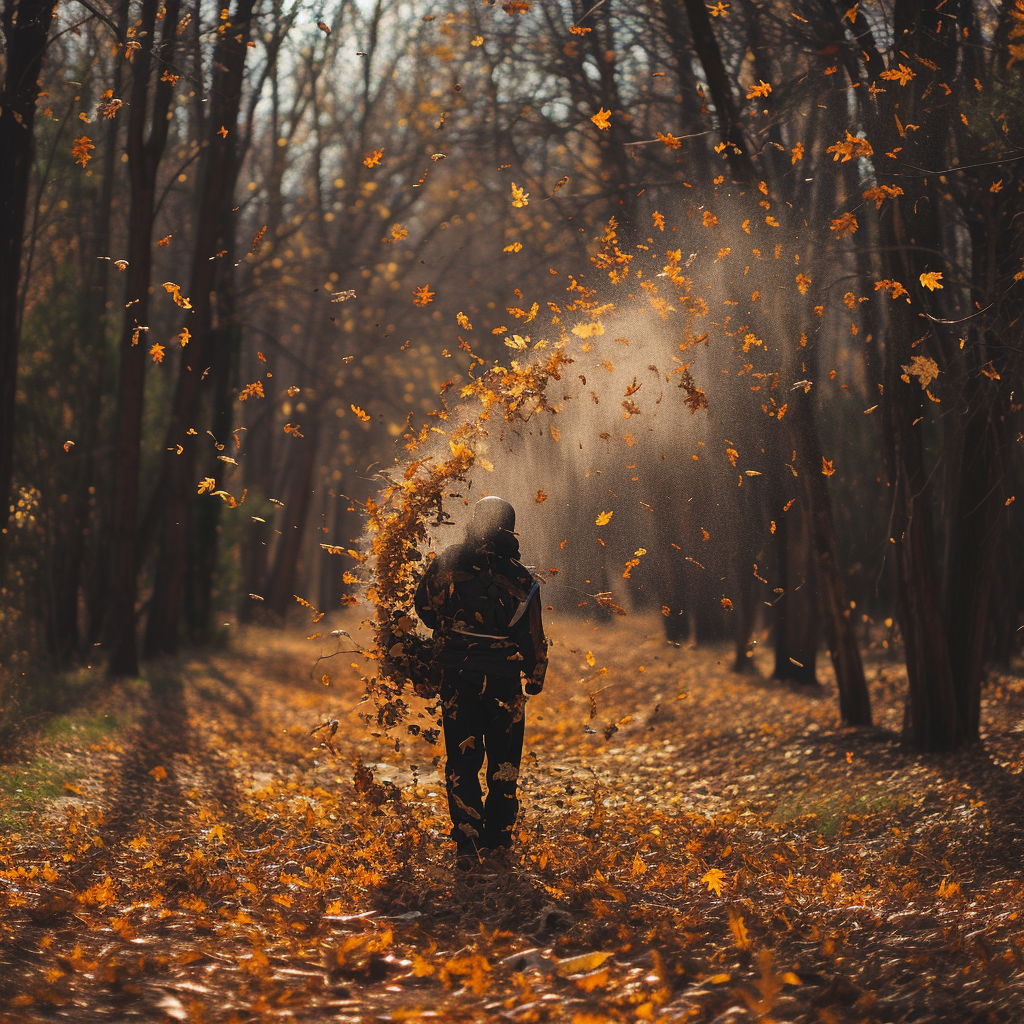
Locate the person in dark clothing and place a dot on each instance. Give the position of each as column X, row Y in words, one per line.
column 484, row 606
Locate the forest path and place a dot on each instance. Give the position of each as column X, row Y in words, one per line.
column 694, row 845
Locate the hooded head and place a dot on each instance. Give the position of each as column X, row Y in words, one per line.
column 493, row 523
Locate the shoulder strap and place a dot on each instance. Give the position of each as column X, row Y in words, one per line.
column 523, row 605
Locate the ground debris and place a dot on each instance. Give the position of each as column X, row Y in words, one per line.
column 737, row 856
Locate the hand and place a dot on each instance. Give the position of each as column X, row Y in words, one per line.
column 535, row 683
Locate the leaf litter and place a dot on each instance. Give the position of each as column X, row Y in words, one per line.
column 693, row 845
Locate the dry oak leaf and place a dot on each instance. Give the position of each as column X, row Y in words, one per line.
column 923, row 368
column 373, row 158
column 902, row 74
column 604, row 518
column 844, row 225
column 931, row 280
column 826, row 466
column 361, row 414
column 852, row 146
column 670, row 140
column 520, row 197
column 82, row 149
column 602, row 118
column 882, row 192
column 422, row 295
column 894, row 288
column 157, row 352
column 760, row 89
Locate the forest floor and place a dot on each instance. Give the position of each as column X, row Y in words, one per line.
column 694, row 845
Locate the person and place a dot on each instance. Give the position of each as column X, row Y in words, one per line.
column 484, row 607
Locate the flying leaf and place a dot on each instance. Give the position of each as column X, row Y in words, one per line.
column 604, row 518
column 844, row 225
column 931, row 280
column 82, row 149
column 602, row 119
column 923, row 368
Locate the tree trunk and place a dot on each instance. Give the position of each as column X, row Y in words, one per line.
column 854, row 700
column 795, row 634
column 212, row 295
column 143, row 161
column 91, row 355
column 26, row 25
column 280, row 590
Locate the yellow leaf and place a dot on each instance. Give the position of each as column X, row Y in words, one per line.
column 591, row 660
column 761, row 89
column 361, row 414
column 602, row 118
column 826, row 466
column 713, row 876
column 520, row 197
column 902, row 74
column 159, row 772
column 175, row 292
column 373, row 158
column 581, row 964
column 604, row 518
column 931, row 280
column 923, row 368
column 739, row 930
column 719, row 979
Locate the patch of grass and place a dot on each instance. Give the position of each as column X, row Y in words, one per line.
column 87, row 728
column 25, row 787
column 830, row 809
column 33, row 698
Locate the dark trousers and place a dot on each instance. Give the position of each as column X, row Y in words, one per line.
column 483, row 716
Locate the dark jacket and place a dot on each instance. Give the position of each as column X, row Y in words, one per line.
column 484, row 605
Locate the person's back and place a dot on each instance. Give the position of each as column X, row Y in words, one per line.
column 484, row 605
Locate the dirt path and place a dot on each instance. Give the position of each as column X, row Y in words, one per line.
column 694, row 846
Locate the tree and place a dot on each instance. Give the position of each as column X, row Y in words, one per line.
column 26, row 24
column 145, row 151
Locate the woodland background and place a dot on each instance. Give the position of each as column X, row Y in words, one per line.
column 254, row 255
